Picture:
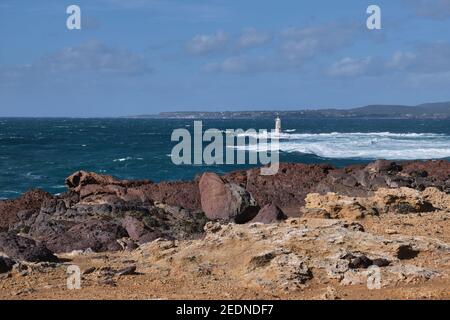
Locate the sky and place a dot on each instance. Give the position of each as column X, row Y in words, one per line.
column 134, row 57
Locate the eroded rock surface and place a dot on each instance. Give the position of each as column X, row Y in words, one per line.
column 400, row 201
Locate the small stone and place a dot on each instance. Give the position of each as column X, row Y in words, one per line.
column 380, row 262
column 89, row 270
column 406, row 252
column 130, row 270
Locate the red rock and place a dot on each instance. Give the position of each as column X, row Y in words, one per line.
column 270, row 213
column 288, row 188
column 225, row 201
column 183, row 194
column 438, row 169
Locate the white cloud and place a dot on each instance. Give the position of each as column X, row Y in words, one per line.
column 94, row 56
column 251, row 37
column 401, row 60
column 430, row 58
column 431, row 9
column 305, row 43
column 91, row 56
column 348, row 67
column 202, row 44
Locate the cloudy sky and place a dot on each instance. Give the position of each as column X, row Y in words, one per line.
column 146, row 56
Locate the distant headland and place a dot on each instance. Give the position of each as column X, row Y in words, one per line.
column 440, row 110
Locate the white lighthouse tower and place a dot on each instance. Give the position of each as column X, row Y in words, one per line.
column 277, row 125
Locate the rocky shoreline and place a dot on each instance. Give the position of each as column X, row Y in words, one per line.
column 306, row 229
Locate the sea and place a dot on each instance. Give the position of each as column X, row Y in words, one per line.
column 42, row 152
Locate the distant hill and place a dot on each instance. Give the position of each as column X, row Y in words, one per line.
column 439, row 110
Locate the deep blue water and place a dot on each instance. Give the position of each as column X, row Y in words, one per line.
column 41, row 153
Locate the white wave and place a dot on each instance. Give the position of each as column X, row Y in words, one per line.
column 127, row 159
column 372, row 145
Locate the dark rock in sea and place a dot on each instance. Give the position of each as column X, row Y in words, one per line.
column 226, row 201
column 6, row 264
column 24, row 249
column 270, row 213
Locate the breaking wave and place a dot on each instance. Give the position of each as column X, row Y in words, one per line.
column 358, row 145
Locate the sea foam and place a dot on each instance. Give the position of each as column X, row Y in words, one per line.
column 359, row 145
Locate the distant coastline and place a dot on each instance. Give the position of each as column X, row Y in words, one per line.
column 440, row 110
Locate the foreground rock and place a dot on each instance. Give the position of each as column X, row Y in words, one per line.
column 24, row 249
column 399, row 201
column 103, row 213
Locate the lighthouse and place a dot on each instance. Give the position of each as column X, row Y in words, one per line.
column 277, row 125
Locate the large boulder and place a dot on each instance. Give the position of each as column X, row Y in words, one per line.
column 226, row 201
column 24, row 249
column 270, row 213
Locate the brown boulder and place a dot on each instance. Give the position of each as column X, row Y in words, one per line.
column 270, row 213
column 226, row 201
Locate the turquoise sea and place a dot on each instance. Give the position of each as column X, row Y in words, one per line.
column 41, row 153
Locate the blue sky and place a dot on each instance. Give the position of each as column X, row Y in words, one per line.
column 146, row 56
